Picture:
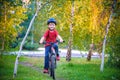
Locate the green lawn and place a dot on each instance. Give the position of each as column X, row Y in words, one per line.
column 30, row 68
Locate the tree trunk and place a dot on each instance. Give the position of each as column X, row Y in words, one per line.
column 21, row 46
column 3, row 38
column 68, row 56
column 22, row 43
column 2, row 48
column 107, row 29
column 90, row 52
column 32, row 38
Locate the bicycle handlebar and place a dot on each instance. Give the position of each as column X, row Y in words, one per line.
column 52, row 42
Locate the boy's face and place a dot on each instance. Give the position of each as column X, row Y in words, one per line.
column 51, row 26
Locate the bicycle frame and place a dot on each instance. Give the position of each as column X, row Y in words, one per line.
column 52, row 60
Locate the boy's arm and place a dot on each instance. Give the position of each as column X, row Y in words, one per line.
column 59, row 37
column 41, row 40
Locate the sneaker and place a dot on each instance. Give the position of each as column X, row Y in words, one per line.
column 45, row 71
column 58, row 58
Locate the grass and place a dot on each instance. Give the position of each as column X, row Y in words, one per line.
column 80, row 69
column 76, row 69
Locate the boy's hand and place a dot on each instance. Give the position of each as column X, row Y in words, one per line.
column 61, row 40
column 59, row 37
column 41, row 40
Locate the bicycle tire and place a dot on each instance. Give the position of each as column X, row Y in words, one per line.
column 52, row 69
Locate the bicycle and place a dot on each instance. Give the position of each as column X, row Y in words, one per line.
column 52, row 59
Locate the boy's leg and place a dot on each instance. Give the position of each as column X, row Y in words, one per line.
column 46, row 60
column 56, row 50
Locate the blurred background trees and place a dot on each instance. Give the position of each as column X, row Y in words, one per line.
column 89, row 24
column 12, row 14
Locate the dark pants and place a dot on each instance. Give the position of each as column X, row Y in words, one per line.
column 47, row 51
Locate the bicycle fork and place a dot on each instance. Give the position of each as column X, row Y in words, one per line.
column 53, row 56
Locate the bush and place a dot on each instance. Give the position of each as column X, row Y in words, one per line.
column 114, row 58
column 14, row 44
column 29, row 46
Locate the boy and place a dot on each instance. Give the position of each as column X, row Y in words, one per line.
column 50, row 36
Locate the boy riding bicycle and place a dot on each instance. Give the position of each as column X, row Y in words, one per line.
column 50, row 35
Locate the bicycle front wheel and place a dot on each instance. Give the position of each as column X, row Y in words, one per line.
column 52, row 69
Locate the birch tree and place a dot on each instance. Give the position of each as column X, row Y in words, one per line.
column 68, row 56
column 105, row 37
column 22, row 43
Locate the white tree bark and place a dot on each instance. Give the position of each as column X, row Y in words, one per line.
column 39, row 6
column 22, row 43
column 68, row 56
column 107, row 29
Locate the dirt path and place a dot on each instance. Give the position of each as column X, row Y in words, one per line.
column 31, row 66
column 27, row 64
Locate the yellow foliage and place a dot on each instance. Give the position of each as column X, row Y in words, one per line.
column 11, row 18
column 89, row 19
